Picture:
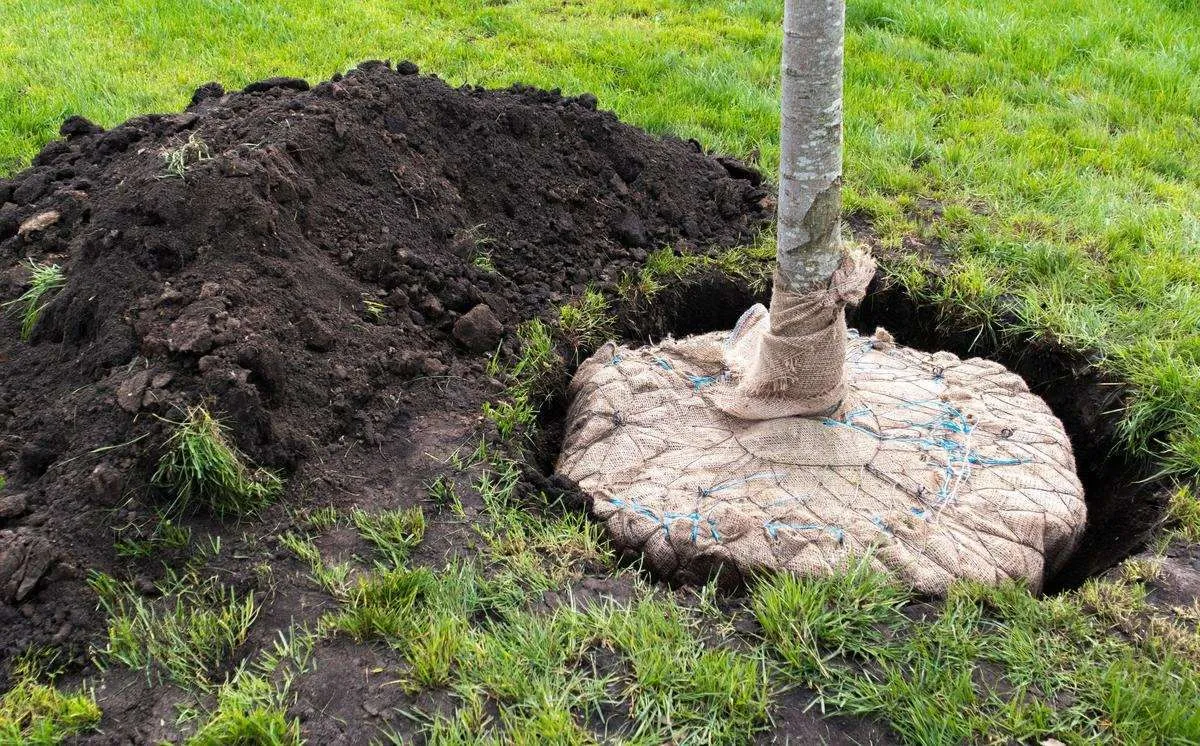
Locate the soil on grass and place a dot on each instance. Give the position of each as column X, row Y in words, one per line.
column 330, row 271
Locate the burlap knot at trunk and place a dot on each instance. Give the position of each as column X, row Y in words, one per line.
column 936, row 468
column 789, row 373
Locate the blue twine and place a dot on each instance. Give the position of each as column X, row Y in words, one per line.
column 706, row 491
column 667, row 518
column 773, row 527
column 699, row 382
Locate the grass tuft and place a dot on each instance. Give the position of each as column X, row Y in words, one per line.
column 666, row 267
column 808, row 618
column 44, row 279
column 1183, row 514
column 333, row 578
column 393, row 533
column 204, row 469
column 373, row 308
column 249, row 711
column 142, row 539
column 384, row 604
column 586, row 322
column 38, row 714
column 528, row 380
column 186, row 633
column 483, row 262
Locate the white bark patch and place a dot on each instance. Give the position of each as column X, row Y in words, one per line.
column 811, row 140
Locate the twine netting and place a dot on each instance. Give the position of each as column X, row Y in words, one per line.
column 934, row 468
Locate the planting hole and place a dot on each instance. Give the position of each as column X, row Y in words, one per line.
column 1124, row 502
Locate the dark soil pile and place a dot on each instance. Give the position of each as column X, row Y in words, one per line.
column 240, row 283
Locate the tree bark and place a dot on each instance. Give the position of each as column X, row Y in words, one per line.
column 810, row 178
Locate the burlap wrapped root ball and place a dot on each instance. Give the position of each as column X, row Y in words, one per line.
column 934, row 468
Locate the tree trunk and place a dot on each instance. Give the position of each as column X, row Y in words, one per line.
column 810, row 164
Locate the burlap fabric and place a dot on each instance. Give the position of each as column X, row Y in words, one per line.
column 936, row 468
column 787, row 371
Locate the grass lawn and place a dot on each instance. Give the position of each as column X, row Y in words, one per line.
column 1052, row 146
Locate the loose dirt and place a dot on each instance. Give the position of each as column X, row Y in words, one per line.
column 330, row 271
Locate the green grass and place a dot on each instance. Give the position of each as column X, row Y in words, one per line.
column 334, row 578
column 1052, row 148
column 526, row 378
column 482, row 261
column 184, row 635
column 250, row 707
column 986, row 663
column 249, row 711
column 203, row 469
column 393, row 533
column 1183, row 513
column 37, row 714
column 586, row 322
column 666, row 267
column 44, row 279
column 373, row 308
column 139, row 539
column 1052, row 145
column 1101, row 664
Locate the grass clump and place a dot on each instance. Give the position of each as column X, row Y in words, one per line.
column 555, row 677
column 483, row 262
column 751, row 264
column 178, row 159
column 586, row 323
column 683, row 690
column 333, row 578
column 384, row 604
column 810, row 619
column 1183, row 514
column 393, row 533
column 251, row 705
column 249, row 711
column 185, row 634
column 44, row 279
column 204, row 469
column 527, row 380
column 38, row 714
column 320, row 518
column 444, row 494
column 145, row 538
